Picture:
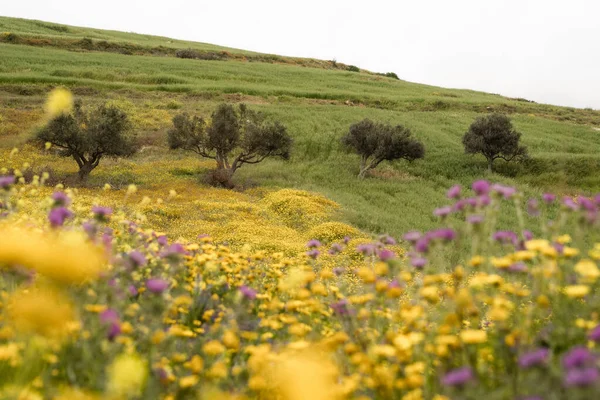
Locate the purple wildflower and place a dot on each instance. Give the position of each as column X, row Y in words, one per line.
column 527, row 235
column 506, row 191
column 412, row 236
column 458, row 377
column 587, row 203
column 58, row 215
column 313, row 243
column 387, row 240
column 248, row 292
column 6, row 181
column 578, row 357
column 162, row 240
column 132, row 291
column 595, row 334
column 114, row 330
column 569, row 203
column 442, row 211
column 385, row 254
column 534, row 358
column 446, row 234
column 367, row 249
column 475, row 219
column 418, row 262
column 453, row 192
column 518, row 267
column 336, row 248
column 505, row 237
column 90, row 228
column 533, row 207
column 102, row 213
column 581, row 376
column 338, row 271
column 481, row 187
column 157, row 285
column 109, row 315
column 548, row 198
column 313, row 253
column 346, row 239
column 422, row 245
column 60, row 199
column 137, row 259
column 341, row 307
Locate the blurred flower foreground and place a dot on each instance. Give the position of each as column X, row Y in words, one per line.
column 96, row 306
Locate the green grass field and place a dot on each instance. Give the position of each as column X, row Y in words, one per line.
column 317, row 105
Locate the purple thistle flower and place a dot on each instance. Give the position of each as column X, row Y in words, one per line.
column 475, row 219
column 587, row 203
column 533, row 207
column 595, row 334
column 548, row 198
column 506, row 191
column 518, row 267
column 559, row 247
column 527, row 235
column 366, row 249
column 581, row 376
column 338, row 271
column 137, row 259
column 157, row 285
column 442, row 211
column 133, row 292
column 569, row 203
column 484, row 200
column 313, row 243
column 418, row 262
column 412, row 236
column 174, row 250
column 114, row 330
column 336, row 248
column 341, row 307
column 60, row 199
column 162, row 240
column 422, row 245
column 387, row 240
column 506, row 237
column 446, row 234
column 58, row 215
column 385, row 255
column 458, row 377
column 102, row 213
column 90, row 228
column 346, row 239
column 481, row 187
column 313, row 253
column 109, row 315
column 6, row 181
column 534, row 358
column 578, row 357
column 453, row 192
column 597, row 199
column 248, row 292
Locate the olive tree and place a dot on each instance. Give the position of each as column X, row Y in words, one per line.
column 376, row 142
column 494, row 136
column 233, row 137
column 88, row 137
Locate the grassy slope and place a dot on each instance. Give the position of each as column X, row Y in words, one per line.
column 318, row 105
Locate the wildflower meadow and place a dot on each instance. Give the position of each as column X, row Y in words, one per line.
column 95, row 304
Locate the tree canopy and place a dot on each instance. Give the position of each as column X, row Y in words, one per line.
column 377, row 142
column 494, row 136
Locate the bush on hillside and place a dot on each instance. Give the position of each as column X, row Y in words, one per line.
column 352, row 68
column 232, row 139
column 90, row 136
column 494, row 136
column 377, row 142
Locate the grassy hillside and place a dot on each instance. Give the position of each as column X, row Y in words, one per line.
column 317, row 105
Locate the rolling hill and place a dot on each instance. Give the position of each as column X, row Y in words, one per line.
column 316, row 99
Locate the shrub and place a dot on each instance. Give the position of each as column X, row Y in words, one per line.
column 392, row 75
column 377, row 142
column 493, row 136
column 233, row 138
column 329, row 232
column 352, row 68
column 90, row 136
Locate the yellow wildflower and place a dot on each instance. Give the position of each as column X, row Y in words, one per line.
column 577, row 291
column 473, row 336
column 588, row 270
column 60, row 101
column 127, row 376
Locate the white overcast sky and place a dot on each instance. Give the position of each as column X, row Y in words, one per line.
column 542, row 50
